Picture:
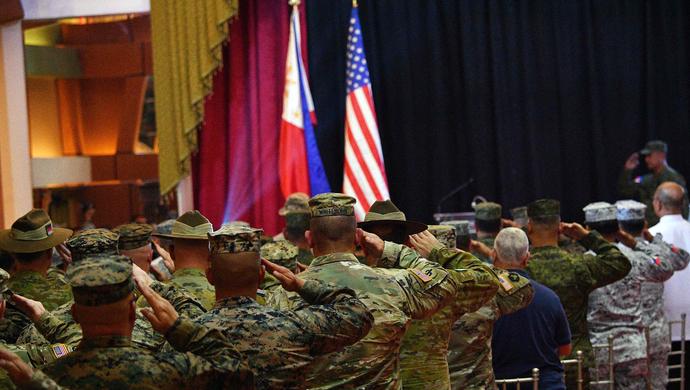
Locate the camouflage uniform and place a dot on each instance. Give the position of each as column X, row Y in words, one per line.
column 281, row 344
column 305, row 256
column 33, row 285
column 469, row 351
column 193, row 280
column 616, row 310
column 489, row 242
column 644, row 188
column 653, row 306
column 487, row 212
column 112, row 361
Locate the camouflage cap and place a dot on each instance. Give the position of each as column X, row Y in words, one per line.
column 236, row 223
column 487, row 211
column 92, row 242
column 544, row 208
column 281, row 252
column 599, row 212
column 519, row 212
column 234, row 239
column 332, row 204
column 630, row 210
column 445, row 234
column 462, row 227
column 297, row 202
column 298, row 220
column 165, row 227
column 100, row 280
column 133, row 235
column 654, row 146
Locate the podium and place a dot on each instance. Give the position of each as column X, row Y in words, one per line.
column 440, row 218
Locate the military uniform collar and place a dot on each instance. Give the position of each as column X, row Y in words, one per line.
column 105, row 342
column 332, row 258
column 27, row 274
column 189, row 272
column 543, row 248
column 230, row 302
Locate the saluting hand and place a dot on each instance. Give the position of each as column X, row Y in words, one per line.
column 424, row 243
column 161, row 314
column 32, row 309
column 371, row 244
column 480, row 247
column 626, row 239
column 573, row 230
column 287, row 278
column 632, row 162
column 19, row 372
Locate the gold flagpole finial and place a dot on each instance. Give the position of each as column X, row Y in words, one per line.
column 354, row 3
column 293, row 2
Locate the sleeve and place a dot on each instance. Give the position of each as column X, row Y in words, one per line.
column 57, row 331
column 41, row 381
column 334, row 317
column 654, row 269
column 206, row 350
column 13, row 323
column 183, row 302
column 515, row 293
column 608, row 266
column 562, row 328
column 678, row 257
column 627, row 188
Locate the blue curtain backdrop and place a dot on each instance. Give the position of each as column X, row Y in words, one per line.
column 541, row 98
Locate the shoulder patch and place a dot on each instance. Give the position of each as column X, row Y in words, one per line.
column 421, row 275
column 507, row 285
column 60, row 350
column 513, row 277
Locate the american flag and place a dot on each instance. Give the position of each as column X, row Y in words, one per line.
column 365, row 174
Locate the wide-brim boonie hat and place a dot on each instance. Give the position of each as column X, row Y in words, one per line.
column 385, row 213
column 191, row 225
column 33, row 232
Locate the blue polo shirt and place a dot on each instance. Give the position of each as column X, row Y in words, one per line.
column 530, row 338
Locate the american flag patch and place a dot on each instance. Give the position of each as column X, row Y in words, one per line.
column 505, row 283
column 420, row 275
column 60, row 350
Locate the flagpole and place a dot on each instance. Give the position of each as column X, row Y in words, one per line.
column 294, row 3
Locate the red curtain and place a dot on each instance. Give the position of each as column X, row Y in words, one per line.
column 236, row 168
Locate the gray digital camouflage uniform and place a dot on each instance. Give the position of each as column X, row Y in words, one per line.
column 616, row 310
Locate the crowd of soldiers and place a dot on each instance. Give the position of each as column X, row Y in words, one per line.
column 385, row 303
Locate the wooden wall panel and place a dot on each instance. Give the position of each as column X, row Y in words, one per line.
column 113, row 203
column 130, row 114
column 103, row 168
column 137, row 166
column 111, row 60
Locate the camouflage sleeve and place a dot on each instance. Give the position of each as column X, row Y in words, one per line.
column 57, row 331
column 608, row 266
column 627, row 188
column 41, row 381
column 515, row 293
column 397, row 256
column 12, row 324
column 183, row 302
column 207, row 353
column 335, row 317
column 477, row 283
column 678, row 257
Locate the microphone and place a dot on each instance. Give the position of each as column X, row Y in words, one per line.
column 453, row 192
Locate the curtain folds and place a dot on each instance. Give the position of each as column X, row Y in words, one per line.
column 187, row 42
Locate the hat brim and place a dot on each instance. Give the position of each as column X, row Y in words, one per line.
column 411, row 227
column 179, row 237
column 9, row 244
column 645, row 151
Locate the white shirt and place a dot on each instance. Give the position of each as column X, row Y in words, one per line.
column 676, row 230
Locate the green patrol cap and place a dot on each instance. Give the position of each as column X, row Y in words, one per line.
column 297, row 202
column 654, row 146
column 100, row 280
column 332, row 204
column 462, row 227
column 487, row 211
column 281, row 252
column 544, row 208
column 234, row 239
column 445, row 234
column 133, row 235
column 92, row 242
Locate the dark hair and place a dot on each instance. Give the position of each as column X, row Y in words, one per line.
column 31, row 256
column 5, row 260
column 491, row 226
column 634, row 227
column 604, row 227
column 296, row 224
column 463, row 242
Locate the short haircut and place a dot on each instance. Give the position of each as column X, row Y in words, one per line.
column 335, row 229
column 633, row 227
column 670, row 197
column 549, row 221
column 463, row 242
column 491, row 226
column 604, row 227
column 511, row 245
column 31, row 256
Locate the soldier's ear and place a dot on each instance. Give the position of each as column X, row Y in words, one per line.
column 209, row 275
column 262, row 274
column 307, row 235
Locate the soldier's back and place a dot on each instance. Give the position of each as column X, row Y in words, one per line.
column 194, row 281
column 50, row 292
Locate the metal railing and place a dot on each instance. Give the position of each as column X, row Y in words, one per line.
column 598, row 380
column 578, row 361
column 680, row 352
column 503, row 383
